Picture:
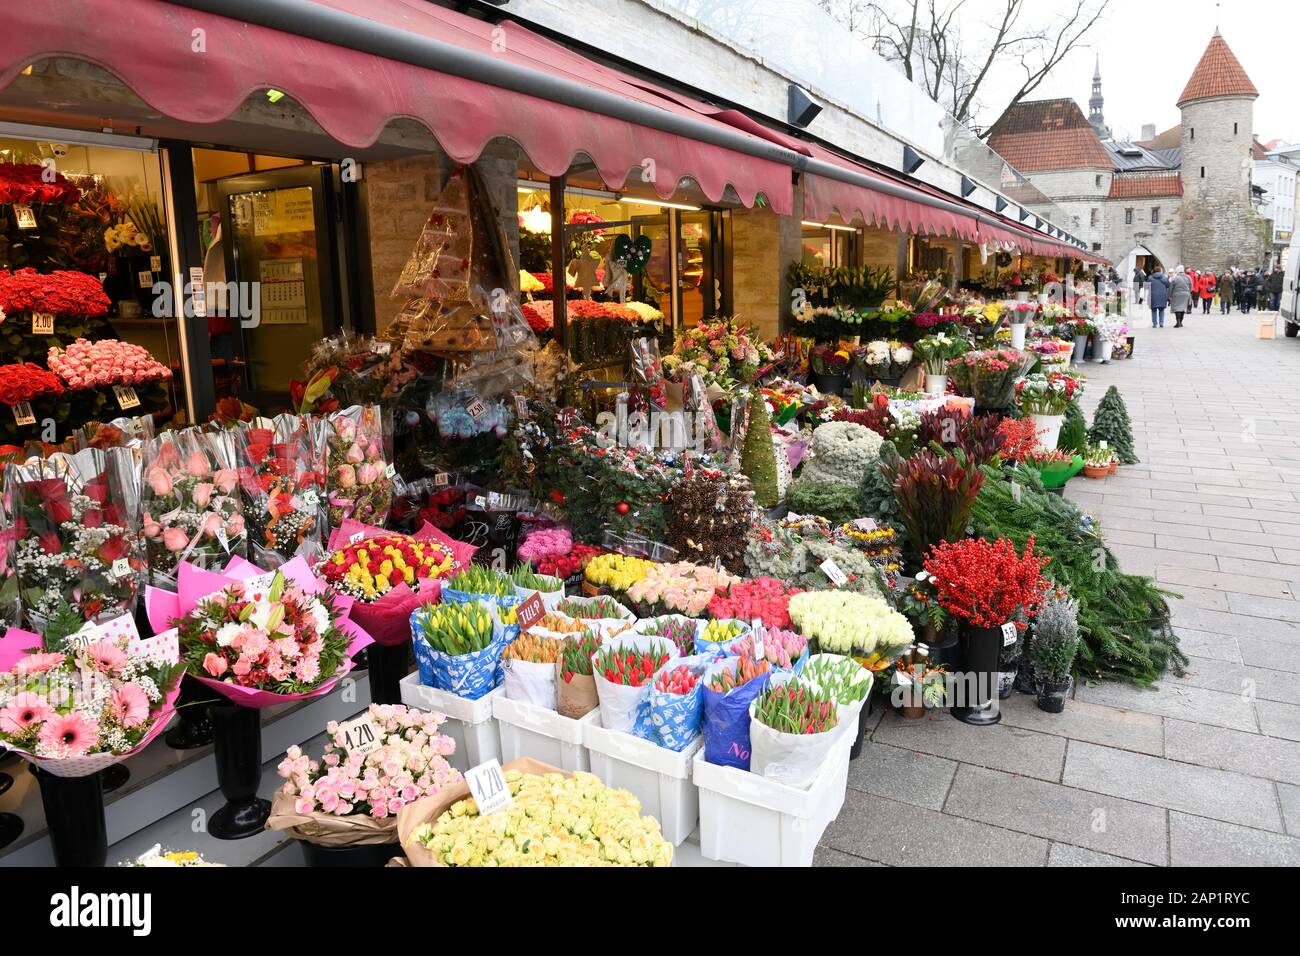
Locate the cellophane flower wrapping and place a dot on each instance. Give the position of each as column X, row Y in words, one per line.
column 281, row 479
column 296, row 641
column 121, row 432
column 79, row 704
column 725, row 722
column 358, row 470
column 75, row 525
column 384, row 601
column 352, row 798
column 191, row 508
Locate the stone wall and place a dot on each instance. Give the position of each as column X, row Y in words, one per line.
column 1220, row 225
column 758, row 269
column 399, row 195
column 1077, row 192
column 1164, row 239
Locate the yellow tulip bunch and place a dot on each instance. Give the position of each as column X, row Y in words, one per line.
column 618, row 572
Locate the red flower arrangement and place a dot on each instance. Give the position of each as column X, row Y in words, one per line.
column 583, row 218
column 61, row 293
column 987, row 583
column 27, row 183
column 764, row 598
column 928, row 320
column 22, row 383
column 1017, row 438
column 566, row 565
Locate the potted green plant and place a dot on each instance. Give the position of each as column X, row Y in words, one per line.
column 1056, row 640
column 934, row 351
column 1044, row 397
column 1096, row 462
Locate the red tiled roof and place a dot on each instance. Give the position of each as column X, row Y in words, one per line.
column 1218, row 74
column 1257, row 150
column 1169, row 139
column 1145, row 186
column 1047, row 134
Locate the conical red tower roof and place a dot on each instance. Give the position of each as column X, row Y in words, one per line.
column 1218, row 74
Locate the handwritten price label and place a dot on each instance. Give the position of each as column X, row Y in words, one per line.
column 360, row 735
column 833, row 572
column 1009, row 634
column 126, row 397
column 23, row 414
column 42, row 323
column 441, row 479
column 487, row 784
column 521, row 406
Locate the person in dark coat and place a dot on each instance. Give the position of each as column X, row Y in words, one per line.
column 1227, row 291
column 1158, row 285
column 1243, row 292
column 1139, row 283
column 1274, row 283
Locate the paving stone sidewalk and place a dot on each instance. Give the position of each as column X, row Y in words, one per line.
column 1205, row 768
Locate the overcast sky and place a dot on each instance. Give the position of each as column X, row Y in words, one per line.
column 1149, row 48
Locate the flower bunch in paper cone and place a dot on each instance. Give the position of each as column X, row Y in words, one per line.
column 796, row 708
column 628, row 667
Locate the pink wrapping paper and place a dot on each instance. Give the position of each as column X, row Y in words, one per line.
column 194, row 584
column 15, row 644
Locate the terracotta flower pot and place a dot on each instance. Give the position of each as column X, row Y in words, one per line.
column 1114, row 467
column 1096, row 471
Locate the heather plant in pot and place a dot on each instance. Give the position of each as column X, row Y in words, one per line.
column 1056, row 639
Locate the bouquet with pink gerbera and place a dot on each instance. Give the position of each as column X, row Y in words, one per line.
column 82, row 697
column 372, row 767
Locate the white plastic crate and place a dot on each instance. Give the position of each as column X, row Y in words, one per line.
column 469, row 722
column 528, row 730
column 748, row 819
column 658, row 777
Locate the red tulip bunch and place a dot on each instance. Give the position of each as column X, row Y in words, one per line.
column 764, row 598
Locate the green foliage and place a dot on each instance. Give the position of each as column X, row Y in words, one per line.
column 850, row 287
column 877, row 499
column 1074, row 430
column 832, row 500
column 757, row 455
column 1110, row 423
column 1056, row 637
column 1123, row 618
column 935, row 492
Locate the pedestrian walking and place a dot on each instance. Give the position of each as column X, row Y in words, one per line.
column 1227, row 290
column 1139, row 283
column 1275, row 282
column 1158, row 286
column 1209, row 282
column 1243, row 290
column 1180, row 295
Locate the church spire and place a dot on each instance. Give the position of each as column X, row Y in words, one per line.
column 1096, row 105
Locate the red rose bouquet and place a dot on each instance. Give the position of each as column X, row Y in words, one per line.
column 24, row 382
column 61, row 293
column 75, row 524
column 987, row 583
column 29, row 183
column 281, row 481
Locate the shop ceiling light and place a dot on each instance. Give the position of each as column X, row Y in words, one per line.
column 912, row 160
column 52, row 134
column 967, row 186
column 536, row 220
column 828, row 225
column 638, row 201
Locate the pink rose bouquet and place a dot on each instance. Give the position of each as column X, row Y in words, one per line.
column 88, row 698
column 359, row 480
column 352, row 795
column 681, row 588
column 107, row 362
column 191, row 508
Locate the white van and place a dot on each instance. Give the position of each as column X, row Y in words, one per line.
column 1290, row 306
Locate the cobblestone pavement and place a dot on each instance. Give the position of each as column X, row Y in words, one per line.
column 1204, row 769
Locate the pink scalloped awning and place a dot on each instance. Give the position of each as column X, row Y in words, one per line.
column 151, row 47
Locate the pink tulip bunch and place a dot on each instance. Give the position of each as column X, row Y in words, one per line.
column 358, row 482
column 86, row 364
column 409, row 763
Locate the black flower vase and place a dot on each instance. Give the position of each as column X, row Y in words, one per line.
column 237, row 740
column 74, row 815
column 977, row 683
column 194, row 726
column 387, row 664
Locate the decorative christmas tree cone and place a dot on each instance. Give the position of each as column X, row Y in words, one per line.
column 237, row 737
column 387, row 664
column 977, row 686
column 74, row 814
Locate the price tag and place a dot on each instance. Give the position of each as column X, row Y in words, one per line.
column 223, row 539
column 198, row 293
column 126, row 397
column 521, row 406
column 310, row 499
column 155, row 263
column 756, row 628
column 391, row 471
column 23, row 414
column 42, row 323
column 359, row 536
column 23, row 213
column 1009, row 634
column 381, row 348
column 1104, row 443
column 145, row 279
column 1015, row 492
column 476, row 409
column 865, row 524
column 360, row 735
column 121, row 568
column 487, row 784
column 441, row 480
column 832, row 571
column 791, row 516
column 531, row 611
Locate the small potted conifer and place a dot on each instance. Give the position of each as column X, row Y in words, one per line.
column 1056, row 640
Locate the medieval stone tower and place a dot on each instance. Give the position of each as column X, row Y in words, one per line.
column 1220, row 225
